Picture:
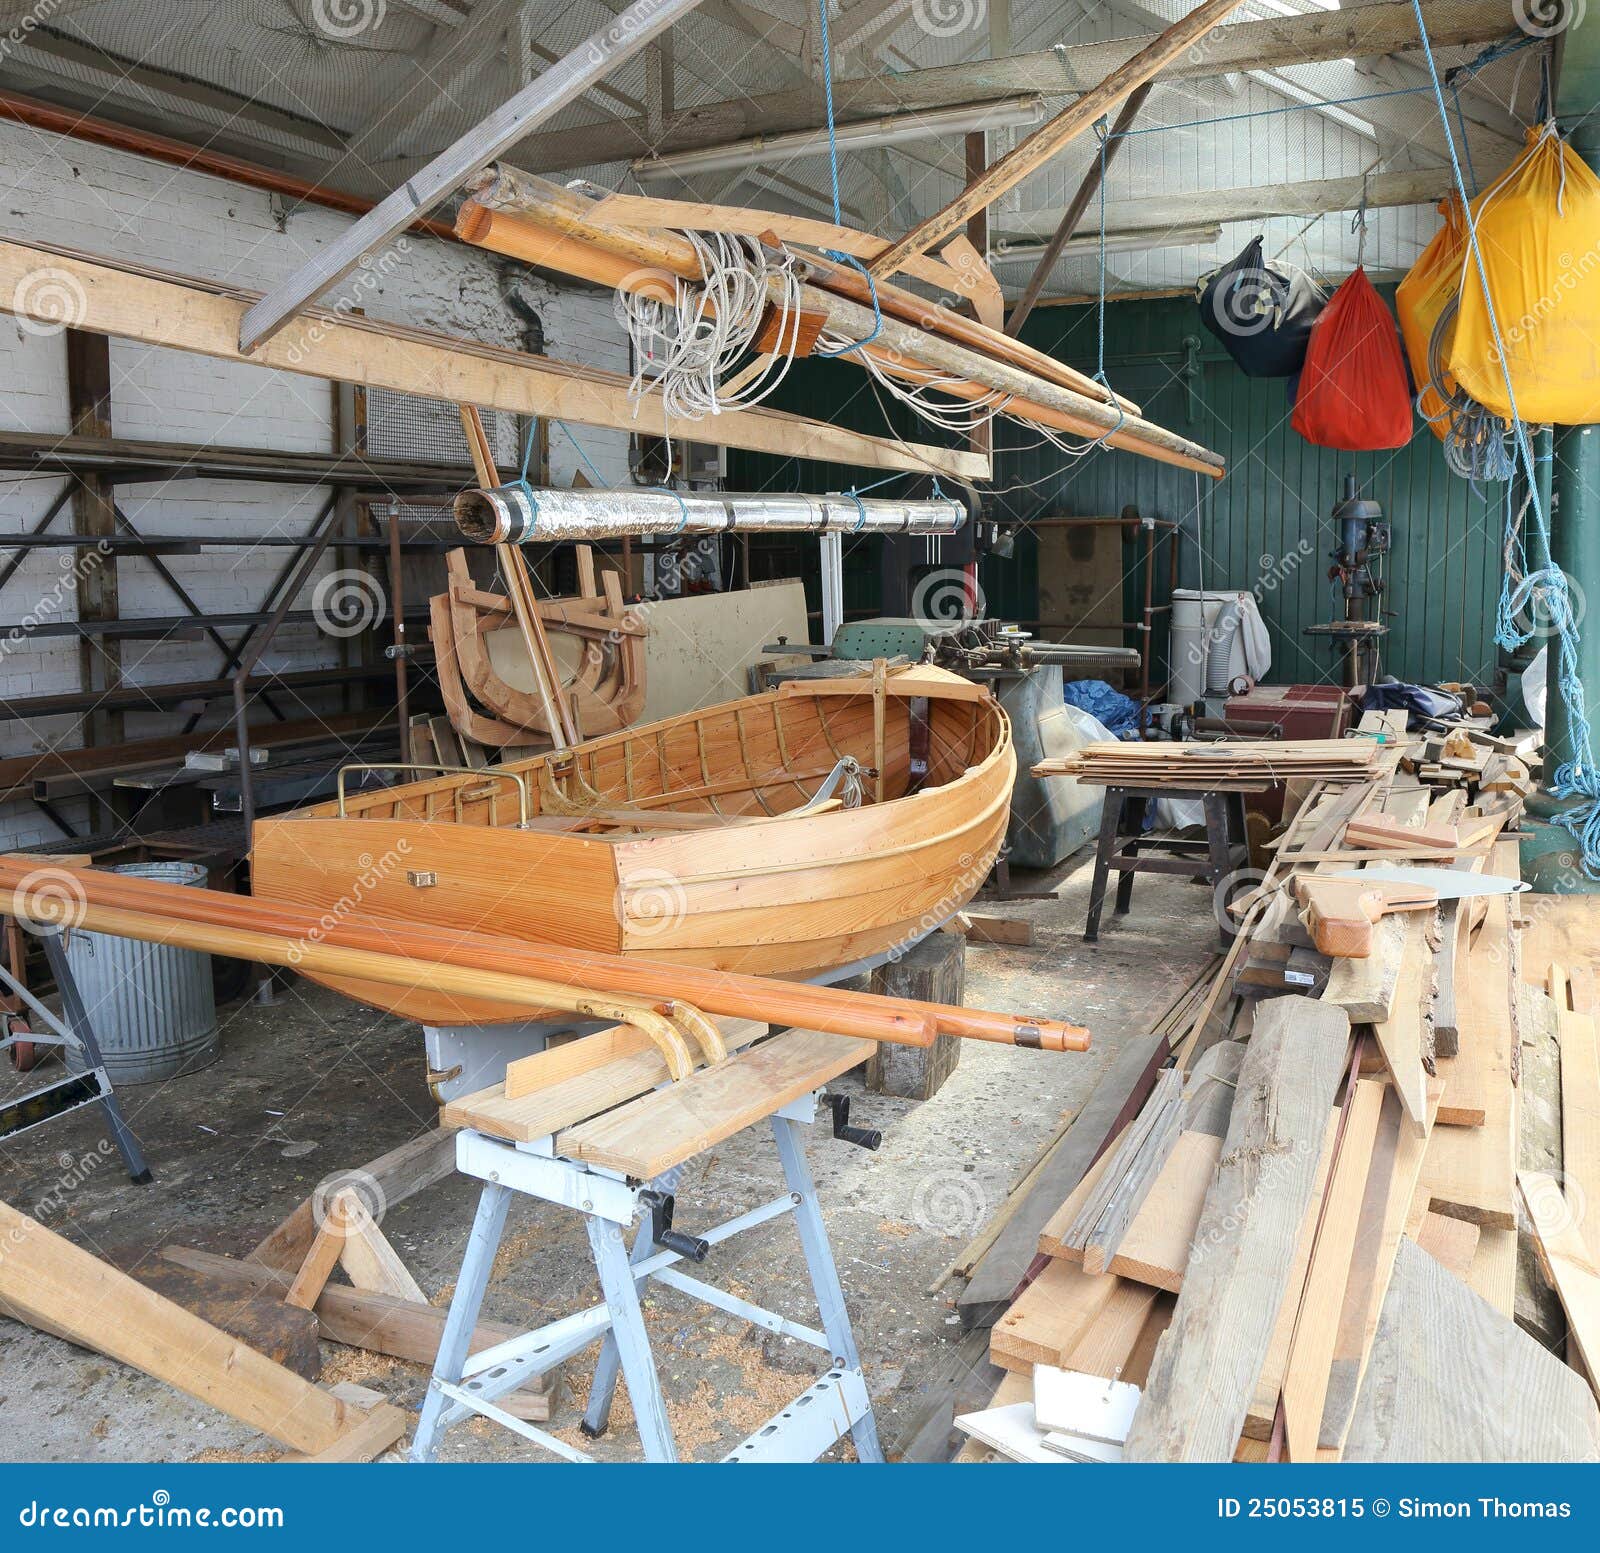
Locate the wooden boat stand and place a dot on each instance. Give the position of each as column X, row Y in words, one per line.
column 622, row 1168
column 71, row 1032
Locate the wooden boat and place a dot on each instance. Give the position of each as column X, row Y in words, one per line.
column 724, row 838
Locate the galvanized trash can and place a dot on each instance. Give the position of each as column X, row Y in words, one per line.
column 151, row 1006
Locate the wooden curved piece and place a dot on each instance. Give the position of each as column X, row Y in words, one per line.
column 706, row 1035
column 470, row 724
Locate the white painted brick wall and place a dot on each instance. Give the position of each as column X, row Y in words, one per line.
column 104, row 201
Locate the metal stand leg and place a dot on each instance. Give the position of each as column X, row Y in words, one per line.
column 633, row 1342
column 824, row 1275
column 77, row 1020
column 1133, row 819
column 1221, row 855
column 603, row 1388
column 1110, row 823
column 465, row 1304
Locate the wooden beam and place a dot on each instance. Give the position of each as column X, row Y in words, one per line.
column 184, row 314
column 1356, row 32
column 1073, row 214
column 1207, row 1364
column 46, row 1280
column 1060, row 131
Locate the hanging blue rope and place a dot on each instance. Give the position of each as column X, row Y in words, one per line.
column 838, row 207
column 1578, row 777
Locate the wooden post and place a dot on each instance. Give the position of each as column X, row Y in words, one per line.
column 935, row 968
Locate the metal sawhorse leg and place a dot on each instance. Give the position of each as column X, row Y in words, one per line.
column 836, row 1405
column 75, row 1032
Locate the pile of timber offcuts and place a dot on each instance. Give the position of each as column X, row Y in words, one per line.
column 1206, row 766
column 1317, row 1215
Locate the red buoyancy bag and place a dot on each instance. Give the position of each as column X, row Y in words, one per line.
column 1354, row 393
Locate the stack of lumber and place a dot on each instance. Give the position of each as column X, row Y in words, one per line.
column 1213, row 767
column 1300, row 1240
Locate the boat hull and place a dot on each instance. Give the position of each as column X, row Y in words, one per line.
column 779, row 894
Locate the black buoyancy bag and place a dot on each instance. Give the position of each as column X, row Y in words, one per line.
column 1262, row 316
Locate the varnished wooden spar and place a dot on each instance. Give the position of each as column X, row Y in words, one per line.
column 277, row 935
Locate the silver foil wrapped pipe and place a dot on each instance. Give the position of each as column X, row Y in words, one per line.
column 510, row 514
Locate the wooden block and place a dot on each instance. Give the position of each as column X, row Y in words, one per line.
column 1016, row 932
column 1557, row 1216
column 1401, row 1037
column 934, row 971
column 1580, row 1104
column 1493, row 1273
column 372, row 1263
column 320, row 1261
column 1365, row 988
column 1048, row 1318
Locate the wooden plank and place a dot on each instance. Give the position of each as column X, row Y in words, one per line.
column 588, row 1081
column 1493, row 1274
column 1209, row 1360
column 94, row 1304
column 373, row 1264
column 1117, row 1096
column 1155, row 1250
column 1580, row 1103
column 1403, row 1037
column 1316, row 1331
column 1452, row 1380
column 320, row 1261
column 1046, row 1320
column 180, row 313
column 1452, row 1243
column 1558, row 1218
column 1263, row 1410
column 982, row 928
column 650, row 1135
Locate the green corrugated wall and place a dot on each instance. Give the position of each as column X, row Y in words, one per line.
column 1443, row 575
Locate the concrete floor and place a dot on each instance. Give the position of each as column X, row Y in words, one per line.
column 317, row 1085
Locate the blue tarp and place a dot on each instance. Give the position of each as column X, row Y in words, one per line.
column 1117, row 711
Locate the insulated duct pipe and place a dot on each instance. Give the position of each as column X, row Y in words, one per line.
column 512, row 515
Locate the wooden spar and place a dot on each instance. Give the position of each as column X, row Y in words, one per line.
column 179, row 312
column 1074, row 211
column 280, row 932
column 645, row 232
column 560, row 725
column 1049, row 138
column 901, row 349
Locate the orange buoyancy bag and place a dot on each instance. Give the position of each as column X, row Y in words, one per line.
column 1354, row 393
column 1430, row 286
column 1539, row 233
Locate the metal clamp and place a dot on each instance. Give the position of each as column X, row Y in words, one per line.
column 862, row 1137
column 524, row 803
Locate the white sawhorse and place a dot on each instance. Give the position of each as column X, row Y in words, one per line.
column 609, row 1201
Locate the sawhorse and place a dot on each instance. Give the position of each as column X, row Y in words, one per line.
column 600, row 1169
column 72, row 1032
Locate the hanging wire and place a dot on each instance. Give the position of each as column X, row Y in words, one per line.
column 1578, row 777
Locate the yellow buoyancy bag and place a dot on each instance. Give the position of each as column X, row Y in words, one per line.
column 1539, row 232
column 1430, row 286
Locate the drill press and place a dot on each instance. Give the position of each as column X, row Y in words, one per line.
column 1361, row 537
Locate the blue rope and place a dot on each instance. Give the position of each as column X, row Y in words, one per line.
column 861, row 507
column 588, row 463
column 838, row 217
column 1576, row 778
column 683, row 507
